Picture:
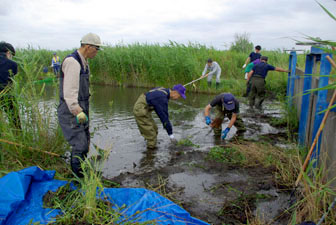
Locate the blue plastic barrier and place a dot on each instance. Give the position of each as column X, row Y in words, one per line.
column 21, row 196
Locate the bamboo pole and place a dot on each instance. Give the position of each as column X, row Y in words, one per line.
column 30, row 148
column 305, row 164
column 195, row 81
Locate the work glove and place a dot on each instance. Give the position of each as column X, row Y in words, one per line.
column 81, row 118
column 244, row 66
column 207, row 120
column 172, row 139
column 225, row 132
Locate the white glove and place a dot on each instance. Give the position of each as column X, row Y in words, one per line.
column 244, row 65
column 246, row 76
column 172, row 139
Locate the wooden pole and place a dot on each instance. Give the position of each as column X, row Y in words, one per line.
column 30, row 148
column 195, row 80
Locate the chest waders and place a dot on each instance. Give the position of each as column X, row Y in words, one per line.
column 221, row 113
column 143, row 117
column 77, row 135
column 257, row 94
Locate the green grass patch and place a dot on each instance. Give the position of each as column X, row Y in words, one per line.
column 186, row 142
column 226, row 155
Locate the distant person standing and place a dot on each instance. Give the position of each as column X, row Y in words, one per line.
column 253, row 55
column 8, row 69
column 73, row 109
column 213, row 68
column 257, row 77
column 55, row 63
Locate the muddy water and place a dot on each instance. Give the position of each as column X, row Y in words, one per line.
column 113, row 128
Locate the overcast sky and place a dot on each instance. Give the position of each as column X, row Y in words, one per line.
column 60, row 24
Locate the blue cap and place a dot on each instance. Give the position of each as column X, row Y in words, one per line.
column 180, row 89
column 228, row 101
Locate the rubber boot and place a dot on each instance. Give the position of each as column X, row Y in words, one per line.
column 217, row 85
column 209, row 84
column 75, row 162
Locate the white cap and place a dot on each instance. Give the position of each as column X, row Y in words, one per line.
column 91, row 39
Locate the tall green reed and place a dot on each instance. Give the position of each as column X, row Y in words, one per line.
column 39, row 130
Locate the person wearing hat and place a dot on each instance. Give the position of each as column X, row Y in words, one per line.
column 247, row 70
column 257, row 78
column 156, row 100
column 73, row 109
column 8, row 69
column 226, row 105
column 213, row 68
column 253, row 56
column 55, row 63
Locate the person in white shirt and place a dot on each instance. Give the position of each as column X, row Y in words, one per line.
column 213, row 68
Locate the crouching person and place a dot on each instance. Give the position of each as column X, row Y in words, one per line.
column 156, row 100
column 226, row 105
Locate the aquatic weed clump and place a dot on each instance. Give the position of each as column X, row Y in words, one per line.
column 226, row 155
column 186, row 142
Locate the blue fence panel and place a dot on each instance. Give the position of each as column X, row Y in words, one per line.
column 305, row 99
column 291, row 77
column 321, row 104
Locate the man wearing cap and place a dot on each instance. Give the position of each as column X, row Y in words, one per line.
column 213, row 68
column 226, row 105
column 73, row 110
column 247, row 70
column 55, row 63
column 156, row 100
column 253, row 56
column 257, row 78
column 8, row 68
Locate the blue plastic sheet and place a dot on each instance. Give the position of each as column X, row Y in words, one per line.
column 21, row 196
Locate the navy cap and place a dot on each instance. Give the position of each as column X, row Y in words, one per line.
column 228, row 101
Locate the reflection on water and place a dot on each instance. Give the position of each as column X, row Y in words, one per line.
column 113, row 126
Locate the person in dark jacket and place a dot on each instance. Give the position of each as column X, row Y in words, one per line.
column 156, row 100
column 73, row 109
column 257, row 78
column 8, row 69
column 226, row 105
column 253, row 56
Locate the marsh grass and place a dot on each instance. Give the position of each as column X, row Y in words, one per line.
column 315, row 193
column 313, row 196
column 83, row 201
column 38, row 129
column 151, row 65
column 168, row 64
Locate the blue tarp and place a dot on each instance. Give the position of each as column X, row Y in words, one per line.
column 21, row 196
